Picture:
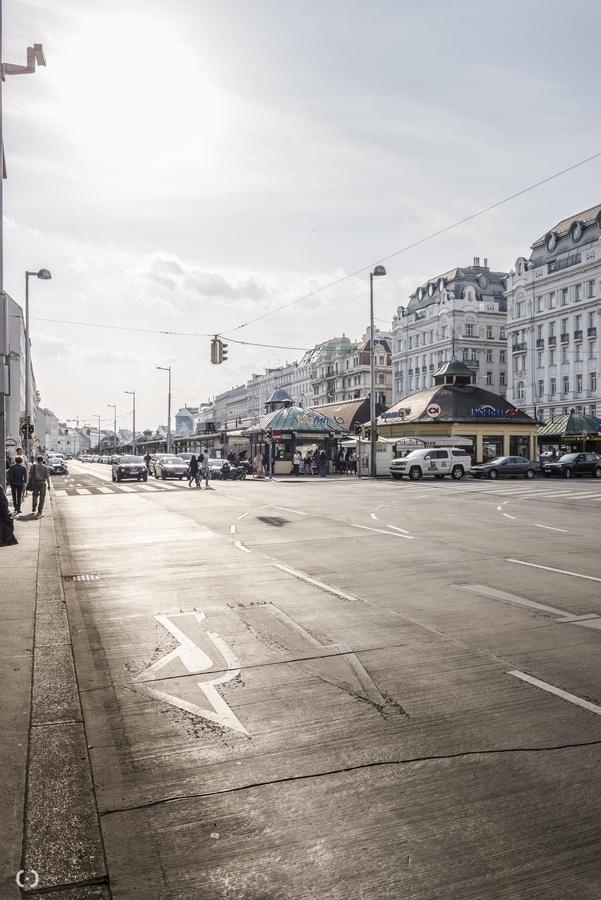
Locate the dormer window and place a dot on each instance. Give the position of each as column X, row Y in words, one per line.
column 576, row 231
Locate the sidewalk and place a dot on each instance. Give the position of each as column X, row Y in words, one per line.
column 50, row 824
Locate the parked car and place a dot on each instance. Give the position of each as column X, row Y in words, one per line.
column 505, row 467
column 571, row 464
column 221, row 468
column 170, row 467
column 129, row 467
column 436, row 462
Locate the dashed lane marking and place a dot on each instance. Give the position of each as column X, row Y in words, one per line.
column 241, row 546
column 373, row 516
column 320, row 584
column 550, row 528
column 396, row 528
column 408, row 537
column 232, row 529
column 521, row 562
column 558, row 692
column 243, row 516
column 287, row 509
column 507, row 516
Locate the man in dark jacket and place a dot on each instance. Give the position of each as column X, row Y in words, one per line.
column 7, row 528
column 17, row 479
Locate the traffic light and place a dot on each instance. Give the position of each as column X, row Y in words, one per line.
column 218, row 351
column 26, row 429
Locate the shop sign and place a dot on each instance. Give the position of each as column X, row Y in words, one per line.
column 496, row 413
column 396, row 413
column 433, row 410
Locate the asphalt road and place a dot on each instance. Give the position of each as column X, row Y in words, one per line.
column 340, row 688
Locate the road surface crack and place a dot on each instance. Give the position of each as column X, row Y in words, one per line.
column 411, row 760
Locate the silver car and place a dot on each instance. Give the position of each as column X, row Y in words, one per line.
column 170, row 467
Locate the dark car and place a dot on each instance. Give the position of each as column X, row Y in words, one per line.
column 505, row 467
column 57, row 466
column 221, row 468
column 129, row 467
column 571, row 464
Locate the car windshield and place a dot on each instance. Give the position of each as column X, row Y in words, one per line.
column 128, row 459
column 216, row 462
column 497, row 461
column 171, row 460
column 569, row 457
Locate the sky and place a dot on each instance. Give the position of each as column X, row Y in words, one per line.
column 188, row 166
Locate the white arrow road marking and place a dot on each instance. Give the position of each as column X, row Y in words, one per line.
column 175, row 684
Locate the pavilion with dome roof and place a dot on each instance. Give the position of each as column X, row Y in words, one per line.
column 455, row 407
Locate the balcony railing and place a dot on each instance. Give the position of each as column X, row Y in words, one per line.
column 564, row 338
column 572, row 259
column 518, row 348
column 552, row 341
column 473, row 363
column 540, row 342
column 591, row 332
column 578, row 335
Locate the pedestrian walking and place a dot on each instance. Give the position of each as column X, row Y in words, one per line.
column 16, row 477
column 296, row 462
column 39, row 481
column 147, row 462
column 315, row 462
column 258, row 468
column 307, row 463
column 204, row 468
column 323, row 464
column 7, row 527
column 193, row 471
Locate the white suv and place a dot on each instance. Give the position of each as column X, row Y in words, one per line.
column 437, row 462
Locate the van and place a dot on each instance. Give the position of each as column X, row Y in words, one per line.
column 437, row 462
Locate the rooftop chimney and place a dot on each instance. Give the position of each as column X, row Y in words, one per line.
column 485, row 263
column 476, row 260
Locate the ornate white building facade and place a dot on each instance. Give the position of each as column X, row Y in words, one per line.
column 460, row 314
column 554, row 305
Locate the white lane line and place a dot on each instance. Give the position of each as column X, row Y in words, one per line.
column 241, row 546
column 407, row 537
column 316, row 583
column 232, row 529
column 243, row 516
column 514, row 599
column 550, row 528
column 373, row 516
column 551, row 689
column 507, row 516
column 396, row 528
column 287, row 509
column 521, row 562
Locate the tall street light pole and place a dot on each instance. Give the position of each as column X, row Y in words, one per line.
column 44, row 275
column 133, row 424
column 114, row 408
column 168, row 369
column 377, row 272
column 35, row 57
column 96, row 416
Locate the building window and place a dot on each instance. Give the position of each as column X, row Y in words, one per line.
column 539, row 359
column 503, row 334
column 502, row 356
column 551, row 357
column 566, row 384
column 577, row 292
column 489, row 356
column 577, row 323
column 551, row 329
column 470, row 329
column 502, row 378
column 552, row 300
column 564, row 355
column 489, row 377
column 519, row 310
column 443, row 332
column 541, row 388
column 552, row 386
column 593, row 409
column 521, row 390
column 539, row 304
column 489, row 333
column 564, row 296
column 590, row 289
column 592, row 350
column 593, row 381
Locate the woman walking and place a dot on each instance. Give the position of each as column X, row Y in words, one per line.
column 193, row 471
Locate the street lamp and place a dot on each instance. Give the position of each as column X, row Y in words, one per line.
column 114, row 408
column 377, row 272
column 96, row 416
column 168, row 369
column 44, row 275
column 133, row 425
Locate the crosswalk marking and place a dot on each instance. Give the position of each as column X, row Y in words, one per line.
column 82, row 490
column 104, row 490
